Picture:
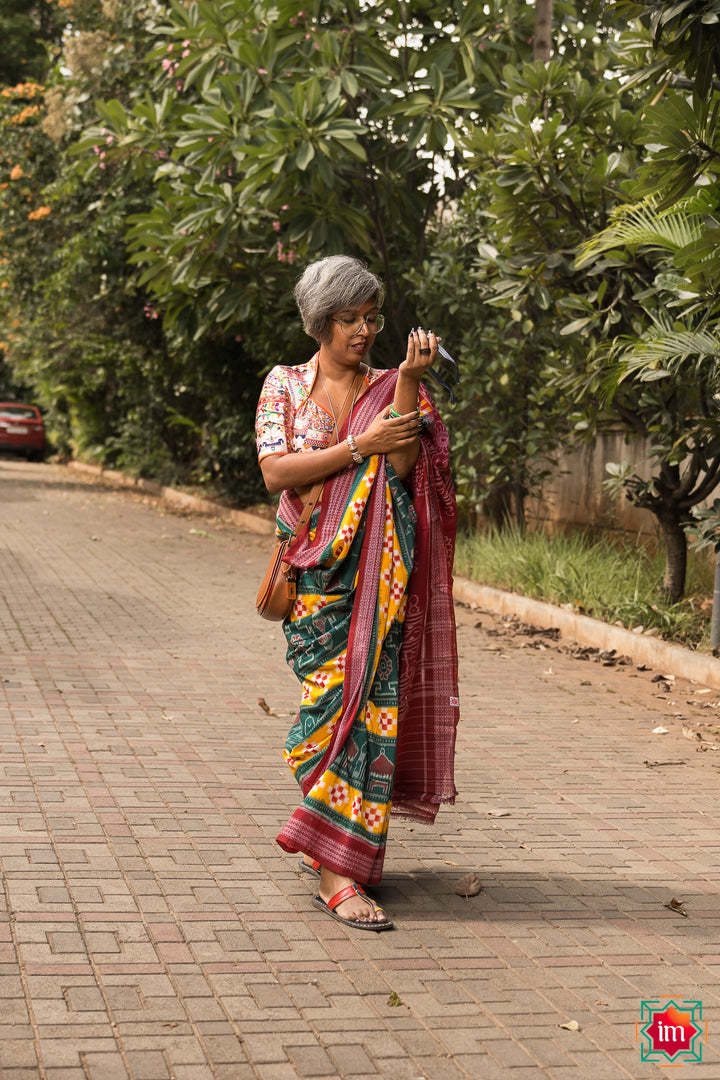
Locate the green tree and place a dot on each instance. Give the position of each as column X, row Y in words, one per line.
column 661, row 373
column 667, row 376
column 29, row 32
column 279, row 132
column 545, row 173
column 77, row 326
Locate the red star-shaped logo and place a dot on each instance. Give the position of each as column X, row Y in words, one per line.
column 671, row 1031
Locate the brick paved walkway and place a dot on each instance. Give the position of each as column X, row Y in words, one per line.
column 151, row 928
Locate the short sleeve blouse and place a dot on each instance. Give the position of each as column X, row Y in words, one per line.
column 288, row 420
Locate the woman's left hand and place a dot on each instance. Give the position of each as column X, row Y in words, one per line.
column 422, row 351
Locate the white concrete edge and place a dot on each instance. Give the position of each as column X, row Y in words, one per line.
column 242, row 518
column 659, row 655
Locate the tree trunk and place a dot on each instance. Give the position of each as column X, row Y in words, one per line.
column 675, row 557
column 542, row 41
column 499, row 506
column 519, row 494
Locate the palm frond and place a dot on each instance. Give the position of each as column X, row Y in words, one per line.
column 664, row 348
column 644, row 226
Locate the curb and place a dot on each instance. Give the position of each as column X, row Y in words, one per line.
column 642, row 649
column 242, row 518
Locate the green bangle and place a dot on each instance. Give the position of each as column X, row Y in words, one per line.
column 397, row 416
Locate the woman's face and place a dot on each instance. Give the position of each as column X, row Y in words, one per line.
column 352, row 337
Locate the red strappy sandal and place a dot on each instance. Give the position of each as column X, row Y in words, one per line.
column 330, row 905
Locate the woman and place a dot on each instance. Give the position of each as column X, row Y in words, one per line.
column 376, row 726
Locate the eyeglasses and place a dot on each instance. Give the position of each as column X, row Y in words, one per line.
column 351, row 324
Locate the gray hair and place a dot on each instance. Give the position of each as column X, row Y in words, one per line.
column 337, row 283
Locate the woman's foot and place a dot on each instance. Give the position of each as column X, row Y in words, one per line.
column 357, row 907
column 308, row 865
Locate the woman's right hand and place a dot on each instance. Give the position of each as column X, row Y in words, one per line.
column 387, row 433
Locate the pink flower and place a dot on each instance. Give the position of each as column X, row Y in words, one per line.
column 185, row 52
column 276, row 226
column 170, row 48
column 109, row 140
column 186, row 43
column 262, row 71
column 166, row 64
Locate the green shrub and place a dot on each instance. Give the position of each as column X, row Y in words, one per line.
column 615, row 581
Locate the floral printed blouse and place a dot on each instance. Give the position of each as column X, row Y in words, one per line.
column 288, row 420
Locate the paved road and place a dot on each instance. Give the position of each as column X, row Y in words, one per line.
column 150, row 926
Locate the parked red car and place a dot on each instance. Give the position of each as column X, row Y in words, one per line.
column 22, row 429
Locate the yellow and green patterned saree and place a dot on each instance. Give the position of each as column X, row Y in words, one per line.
column 372, row 639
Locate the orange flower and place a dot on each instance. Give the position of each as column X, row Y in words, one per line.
column 16, row 172
column 41, row 212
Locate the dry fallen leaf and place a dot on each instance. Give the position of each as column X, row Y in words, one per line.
column 690, row 733
column 572, row 1025
column 468, row 885
column 677, row 905
column 265, row 707
column 394, row 1000
column 498, row 813
column 660, row 731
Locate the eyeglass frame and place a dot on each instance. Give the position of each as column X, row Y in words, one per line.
column 362, row 320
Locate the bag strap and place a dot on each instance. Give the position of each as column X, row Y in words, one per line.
column 307, row 509
column 312, row 499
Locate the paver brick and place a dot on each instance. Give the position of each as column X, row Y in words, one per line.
column 157, row 929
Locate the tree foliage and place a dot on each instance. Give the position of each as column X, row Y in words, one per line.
column 546, row 172
column 275, row 133
column 29, row 30
column 77, row 327
column 662, row 372
column 180, row 162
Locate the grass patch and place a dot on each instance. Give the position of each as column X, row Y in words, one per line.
column 615, row 581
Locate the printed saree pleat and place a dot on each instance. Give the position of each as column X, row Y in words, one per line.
column 357, row 573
